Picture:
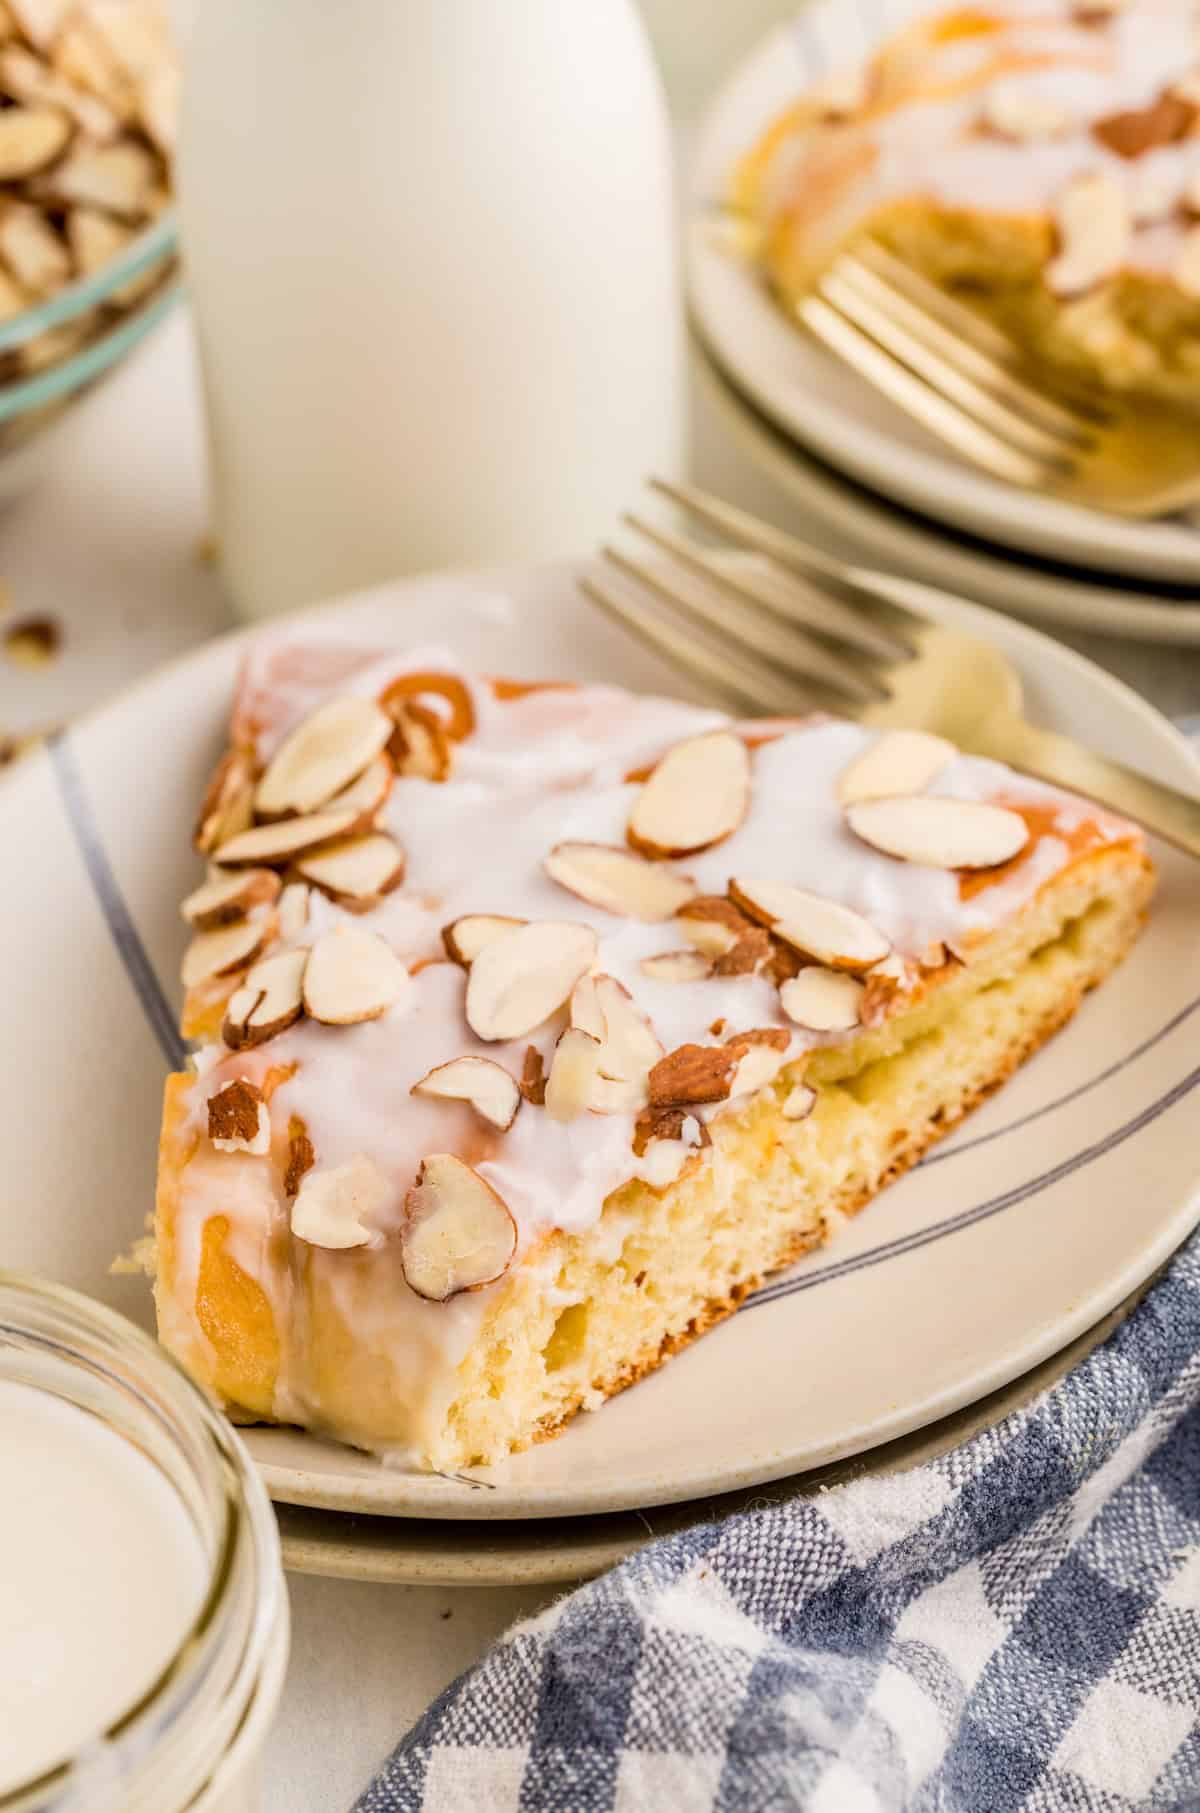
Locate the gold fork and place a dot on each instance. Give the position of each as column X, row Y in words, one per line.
column 784, row 628
column 962, row 379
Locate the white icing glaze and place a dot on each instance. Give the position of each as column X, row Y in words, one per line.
column 538, row 769
column 931, row 145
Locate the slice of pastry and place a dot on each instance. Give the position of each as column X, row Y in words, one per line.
column 1040, row 158
column 539, row 1024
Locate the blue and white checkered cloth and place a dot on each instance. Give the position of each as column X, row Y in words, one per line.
column 1014, row 1628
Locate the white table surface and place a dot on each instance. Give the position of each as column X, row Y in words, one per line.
column 108, row 542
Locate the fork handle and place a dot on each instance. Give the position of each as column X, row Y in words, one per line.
column 1164, row 810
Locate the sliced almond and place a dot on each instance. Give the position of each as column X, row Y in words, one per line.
column 758, row 1065
column 358, row 870
column 352, row 975
column 38, row 21
column 238, row 1120
column 748, row 957
column 119, row 178
column 321, row 756
column 268, row 1001
column 696, row 797
column 574, row 1071
column 283, row 840
column 226, row 897
column 1014, row 113
column 335, row 1209
column 823, row 1000
column 693, row 1074
column 458, row 1234
column 26, row 78
column 30, row 140
column 221, row 952
column 713, row 924
column 32, row 250
column 670, row 1123
column 518, row 980
column 487, row 1086
column 466, row 937
column 457, row 713
column 1167, row 119
column 816, row 927
column 293, row 910
column 629, row 1050
column 228, row 804
column 586, row 1011
column 82, row 58
column 619, row 881
column 663, row 1162
column 940, row 833
column 900, row 761
column 799, row 1103
column 677, row 966
column 367, row 795
column 301, row 1156
column 1094, row 230
column 420, row 745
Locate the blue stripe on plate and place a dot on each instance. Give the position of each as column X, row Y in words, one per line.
column 123, row 931
column 984, row 1210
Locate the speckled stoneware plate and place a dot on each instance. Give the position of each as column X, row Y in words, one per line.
column 1035, row 1219
column 816, row 398
column 863, row 527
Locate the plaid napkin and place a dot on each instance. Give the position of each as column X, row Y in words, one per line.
column 1014, row 1626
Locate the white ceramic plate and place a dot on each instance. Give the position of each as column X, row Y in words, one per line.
column 819, row 400
column 1028, row 1226
column 866, row 530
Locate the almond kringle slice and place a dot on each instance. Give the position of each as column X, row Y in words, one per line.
column 334, row 1208
column 238, row 1120
column 816, row 927
column 464, row 938
column 823, row 1000
column 267, row 845
column 619, row 881
column 31, row 138
column 356, row 870
column 940, row 833
column 898, row 762
column 269, row 999
column 677, row 966
column 367, row 795
column 458, row 1234
column 352, row 975
column 574, row 1072
column 228, row 804
column 226, row 897
column 519, row 979
column 486, row 1085
column 120, row 178
column 326, row 752
column 696, row 797
column 221, row 952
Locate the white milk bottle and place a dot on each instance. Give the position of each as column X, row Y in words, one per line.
column 431, row 251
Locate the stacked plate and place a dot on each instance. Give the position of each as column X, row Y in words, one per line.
column 976, row 1279
column 910, row 505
